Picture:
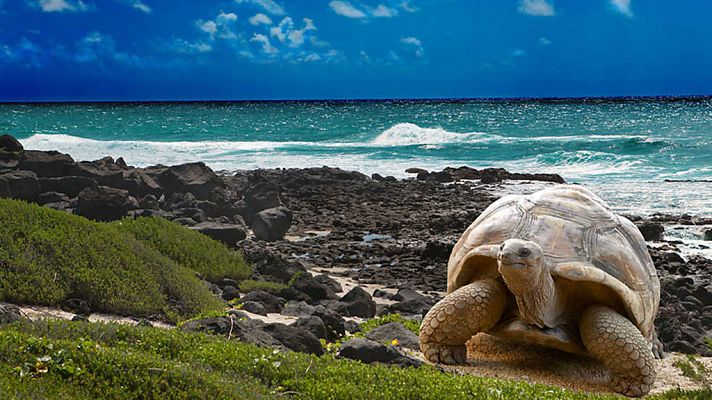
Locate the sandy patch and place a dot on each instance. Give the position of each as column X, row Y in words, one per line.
column 492, row 357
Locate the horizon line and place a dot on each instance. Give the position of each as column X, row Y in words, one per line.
column 383, row 99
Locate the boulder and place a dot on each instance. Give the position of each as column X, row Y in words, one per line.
column 254, row 307
column 329, row 281
column 103, row 203
column 368, row 351
column 335, row 324
column 139, row 183
column 251, row 331
column 416, row 171
column 410, row 307
column 409, row 295
column 312, row 324
column 652, row 231
column 230, row 293
column 9, row 313
column 69, row 185
column 272, row 303
column 195, row 178
column 270, row 263
column 52, row 197
column 272, row 224
column 215, row 326
column 386, row 333
column 357, row 303
column 229, row 234
column 295, row 339
column 22, row 185
column 707, row 234
column 298, row 309
column 261, row 195
column 102, row 173
column 306, row 284
column 10, row 144
column 47, row 164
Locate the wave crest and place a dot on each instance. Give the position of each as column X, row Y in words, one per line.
column 405, row 134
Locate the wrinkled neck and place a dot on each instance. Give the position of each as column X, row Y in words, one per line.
column 536, row 297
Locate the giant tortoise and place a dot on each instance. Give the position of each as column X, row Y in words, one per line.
column 556, row 268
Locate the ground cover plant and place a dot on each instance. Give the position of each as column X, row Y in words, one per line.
column 138, row 268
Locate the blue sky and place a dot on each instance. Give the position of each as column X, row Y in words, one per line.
column 286, row 49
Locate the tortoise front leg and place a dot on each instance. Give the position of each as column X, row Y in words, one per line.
column 615, row 341
column 455, row 319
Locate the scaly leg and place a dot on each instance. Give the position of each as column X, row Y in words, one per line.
column 615, row 341
column 455, row 319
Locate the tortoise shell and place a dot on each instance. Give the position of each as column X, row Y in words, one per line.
column 583, row 241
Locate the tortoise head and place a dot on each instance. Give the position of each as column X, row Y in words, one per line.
column 520, row 262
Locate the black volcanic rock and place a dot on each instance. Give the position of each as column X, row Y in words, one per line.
column 10, row 144
column 651, row 231
column 69, row 185
column 272, row 224
column 229, row 234
column 194, row 178
column 103, row 203
column 22, row 185
column 47, row 164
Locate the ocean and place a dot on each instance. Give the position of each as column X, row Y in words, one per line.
column 625, row 149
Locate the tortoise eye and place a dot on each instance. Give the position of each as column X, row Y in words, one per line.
column 524, row 252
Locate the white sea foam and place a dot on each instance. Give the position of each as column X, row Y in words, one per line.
column 404, row 134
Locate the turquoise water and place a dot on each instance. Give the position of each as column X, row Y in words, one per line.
column 603, row 143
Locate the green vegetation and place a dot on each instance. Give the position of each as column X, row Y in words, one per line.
column 63, row 360
column 48, row 257
column 250, row 285
column 694, row 369
column 211, row 259
column 378, row 321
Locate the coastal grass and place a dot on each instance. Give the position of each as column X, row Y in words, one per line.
column 249, row 285
column 211, row 259
column 48, row 257
column 63, row 359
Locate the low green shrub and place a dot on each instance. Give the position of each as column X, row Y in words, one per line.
column 115, row 361
column 211, row 259
column 49, row 256
column 378, row 321
column 250, row 285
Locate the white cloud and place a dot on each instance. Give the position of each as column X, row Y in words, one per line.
column 220, row 27
column 285, row 32
column 185, row 47
column 260, row 18
column 411, row 40
column 138, row 4
column 518, row 53
column 208, row 26
column 414, row 46
column 407, row 7
column 544, row 41
column 346, row 9
column 142, row 7
column 310, row 57
column 269, row 6
column 383, row 11
column 263, row 40
column 538, row 8
column 62, row 5
column 622, row 7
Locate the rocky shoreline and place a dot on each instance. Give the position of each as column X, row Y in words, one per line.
column 374, row 230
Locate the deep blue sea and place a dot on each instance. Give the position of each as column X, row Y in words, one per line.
column 623, row 148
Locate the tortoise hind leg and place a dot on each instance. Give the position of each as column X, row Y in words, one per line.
column 471, row 309
column 616, row 342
